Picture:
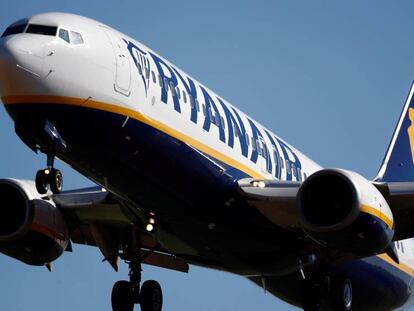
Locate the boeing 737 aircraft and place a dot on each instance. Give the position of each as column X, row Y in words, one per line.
column 184, row 177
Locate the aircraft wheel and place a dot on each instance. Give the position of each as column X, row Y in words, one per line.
column 151, row 296
column 41, row 182
column 55, row 181
column 122, row 296
column 342, row 295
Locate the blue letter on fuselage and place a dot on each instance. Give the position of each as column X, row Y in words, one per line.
column 140, row 58
column 256, row 134
column 171, row 79
column 233, row 125
column 210, row 104
column 191, row 90
column 277, row 159
column 296, row 163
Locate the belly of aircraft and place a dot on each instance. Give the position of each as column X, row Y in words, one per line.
column 195, row 200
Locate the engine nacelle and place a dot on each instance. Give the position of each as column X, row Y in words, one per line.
column 32, row 229
column 343, row 210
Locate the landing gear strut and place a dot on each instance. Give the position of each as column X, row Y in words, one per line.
column 49, row 177
column 125, row 294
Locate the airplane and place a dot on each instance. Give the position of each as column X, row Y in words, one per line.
column 185, row 178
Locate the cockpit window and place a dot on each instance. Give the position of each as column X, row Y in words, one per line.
column 76, row 37
column 42, row 30
column 14, row 29
column 64, row 34
column 71, row 37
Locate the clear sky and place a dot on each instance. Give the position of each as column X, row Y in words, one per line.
column 330, row 77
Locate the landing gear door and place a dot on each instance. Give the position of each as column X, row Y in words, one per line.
column 122, row 83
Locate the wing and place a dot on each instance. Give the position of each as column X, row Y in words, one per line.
column 99, row 218
column 276, row 200
column 400, row 197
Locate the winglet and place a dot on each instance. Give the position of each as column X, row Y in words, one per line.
column 398, row 163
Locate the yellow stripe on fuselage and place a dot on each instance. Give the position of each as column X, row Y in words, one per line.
column 375, row 212
column 47, row 99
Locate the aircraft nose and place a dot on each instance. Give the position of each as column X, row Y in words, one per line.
column 22, row 53
column 21, row 62
column 6, row 66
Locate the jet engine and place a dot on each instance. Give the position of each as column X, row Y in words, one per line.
column 32, row 228
column 343, row 210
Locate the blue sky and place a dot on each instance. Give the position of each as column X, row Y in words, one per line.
column 330, row 77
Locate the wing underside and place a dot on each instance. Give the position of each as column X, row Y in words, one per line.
column 99, row 218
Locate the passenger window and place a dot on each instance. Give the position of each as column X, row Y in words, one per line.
column 153, row 77
column 294, row 170
column 166, row 84
column 42, row 30
column 160, row 80
column 259, row 148
column 147, row 73
column 223, row 125
column 299, row 174
column 210, row 114
column 64, row 34
column 172, row 89
column 275, row 157
column 184, row 97
column 197, row 105
column 288, row 168
column 236, row 130
column 14, row 29
column 264, row 151
column 76, row 37
column 304, row 176
column 177, row 90
column 247, row 139
column 254, row 144
column 217, row 120
column 191, row 98
column 204, row 110
column 139, row 68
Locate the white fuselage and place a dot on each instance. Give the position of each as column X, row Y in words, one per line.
column 112, row 68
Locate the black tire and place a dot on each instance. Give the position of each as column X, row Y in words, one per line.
column 341, row 294
column 41, row 182
column 56, row 181
column 122, row 296
column 151, row 296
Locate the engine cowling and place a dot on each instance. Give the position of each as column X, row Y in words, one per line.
column 32, row 229
column 343, row 210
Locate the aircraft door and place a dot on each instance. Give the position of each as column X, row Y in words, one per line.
column 122, row 65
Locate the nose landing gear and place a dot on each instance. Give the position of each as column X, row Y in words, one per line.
column 49, row 177
column 125, row 294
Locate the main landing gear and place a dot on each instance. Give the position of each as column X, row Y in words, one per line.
column 127, row 293
column 49, row 177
